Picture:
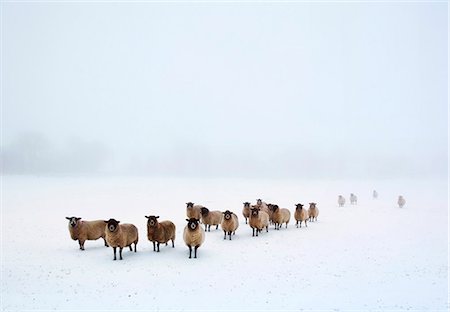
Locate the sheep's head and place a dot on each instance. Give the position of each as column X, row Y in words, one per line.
column 112, row 225
column 258, row 201
column 246, row 205
column 227, row 215
column 255, row 212
column 152, row 220
column 274, row 208
column 299, row 206
column 192, row 223
column 312, row 205
column 204, row 211
column 270, row 206
column 73, row 221
column 189, row 205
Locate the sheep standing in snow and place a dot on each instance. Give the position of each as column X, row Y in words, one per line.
column 341, row 201
column 86, row 230
column 280, row 216
column 353, row 199
column 193, row 211
column 262, row 205
column 160, row 232
column 301, row 215
column 258, row 220
column 401, row 201
column 121, row 235
column 313, row 212
column 270, row 212
column 211, row 218
column 375, row 194
column 230, row 223
column 246, row 211
column 193, row 236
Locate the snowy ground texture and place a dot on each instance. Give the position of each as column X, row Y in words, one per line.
column 373, row 256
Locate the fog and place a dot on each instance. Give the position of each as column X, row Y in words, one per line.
column 225, row 89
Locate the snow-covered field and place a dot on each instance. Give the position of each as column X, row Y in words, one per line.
column 373, row 256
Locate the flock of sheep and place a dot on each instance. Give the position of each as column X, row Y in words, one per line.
column 258, row 216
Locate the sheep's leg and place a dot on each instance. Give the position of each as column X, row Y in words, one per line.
column 81, row 242
column 135, row 244
column 286, row 224
column 106, row 244
column 190, row 252
column 257, row 231
column 131, row 248
column 195, row 251
column 229, row 234
column 114, row 249
column 217, row 226
column 224, row 234
column 253, row 231
column 306, row 224
column 154, row 246
column 245, row 220
column 173, row 243
column 167, row 244
column 120, row 252
column 158, row 246
column 267, row 229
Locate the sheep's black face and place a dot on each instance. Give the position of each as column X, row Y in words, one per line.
column 312, row 205
column 274, row 208
column 299, row 206
column 227, row 215
column 204, row 211
column 190, row 205
column 73, row 221
column 255, row 212
column 246, row 205
column 258, row 201
column 192, row 223
column 112, row 225
column 152, row 220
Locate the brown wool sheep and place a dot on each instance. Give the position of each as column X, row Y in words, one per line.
column 246, row 211
column 258, row 220
column 313, row 212
column 193, row 235
column 280, row 216
column 193, row 211
column 211, row 218
column 120, row 235
column 300, row 215
column 230, row 223
column 86, row 230
column 160, row 232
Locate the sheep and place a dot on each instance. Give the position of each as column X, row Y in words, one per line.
column 258, row 220
column 301, row 215
column 193, row 211
column 353, row 199
column 121, row 235
column 229, row 224
column 341, row 201
column 280, row 216
column 193, row 235
column 246, row 211
column 86, row 230
column 160, row 232
column 211, row 218
column 270, row 212
column 401, row 201
column 313, row 212
column 375, row 194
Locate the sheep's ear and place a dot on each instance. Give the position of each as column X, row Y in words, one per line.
column 147, row 217
column 77, row 219
column 223, row 212
column 68, row 218
column 105, row 221
column 187, row 220
column 157, row 217
column 118, row 222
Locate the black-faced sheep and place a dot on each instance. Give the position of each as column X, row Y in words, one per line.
column 401, row 201
column 193, row 211
column 246, row 211
column 86, row 230
column 341, row 201
column 313, row 212
column 258, row 220
column 280, row 216
column 160, row 232
column 230, row 223
column 211, row 218
column 301, row 215
column 193, row 235
column 353, row 199
column 120, row 235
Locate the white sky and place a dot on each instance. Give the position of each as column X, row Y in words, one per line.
column 226, row 89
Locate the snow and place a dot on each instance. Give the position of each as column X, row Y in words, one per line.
column 370, row 256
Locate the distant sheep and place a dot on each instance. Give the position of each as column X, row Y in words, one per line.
column 280, row 216
column 230, row 223
column 193, row 236
column 211, row 218
column 401, row 201
column 301, row 215
column 246, row 211
column 313, row 212
column 262, row 205
column 258, row 220
column 86, row 230
column 375, row 194
column 121, row 235
column 160, row 232
column 353, row 199
column 193, row 211
column 341, row 201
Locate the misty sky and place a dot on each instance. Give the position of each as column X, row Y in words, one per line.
column 329, row 90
